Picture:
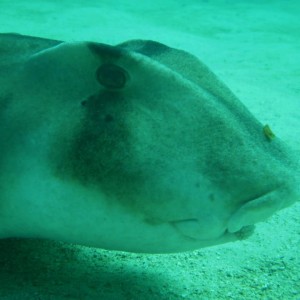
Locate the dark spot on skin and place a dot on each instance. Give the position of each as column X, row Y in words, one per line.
column 111, row 76
column 100, row 152
column 108, row 118
column 100, row 145
column 211, row 197
column 91, row 100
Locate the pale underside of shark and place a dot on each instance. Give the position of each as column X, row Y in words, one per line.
column 136, row 147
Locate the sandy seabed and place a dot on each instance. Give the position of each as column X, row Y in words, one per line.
column 254, row 48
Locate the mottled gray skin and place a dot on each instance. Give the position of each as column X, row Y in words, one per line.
column 135, row 147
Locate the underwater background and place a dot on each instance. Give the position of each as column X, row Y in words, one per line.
column 253, row 46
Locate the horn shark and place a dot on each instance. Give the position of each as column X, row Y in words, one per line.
column 136, row 147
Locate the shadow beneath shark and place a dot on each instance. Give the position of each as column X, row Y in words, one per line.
column 41, row 269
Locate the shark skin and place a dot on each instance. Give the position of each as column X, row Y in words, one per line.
column 136, row 147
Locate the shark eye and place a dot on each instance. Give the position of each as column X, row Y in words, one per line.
column 111, row 76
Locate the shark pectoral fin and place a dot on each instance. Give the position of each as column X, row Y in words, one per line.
column 255, row 211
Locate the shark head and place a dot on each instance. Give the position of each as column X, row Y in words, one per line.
column 136, row 147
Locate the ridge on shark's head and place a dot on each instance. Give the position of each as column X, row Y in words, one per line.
column 136, row 147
